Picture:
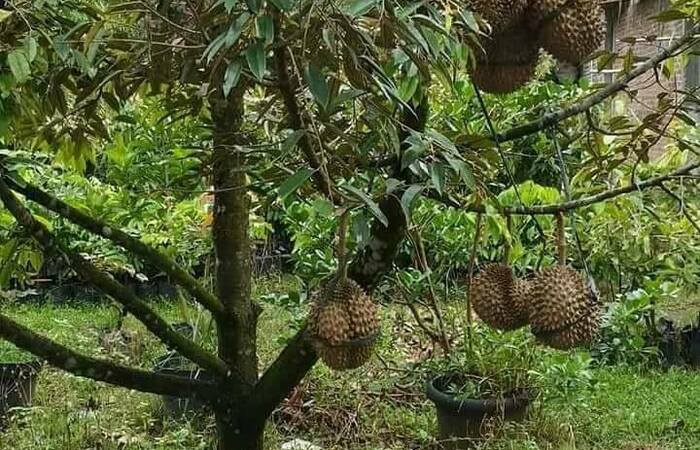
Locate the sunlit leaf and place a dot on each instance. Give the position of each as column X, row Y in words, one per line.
column 257, row 60
column 19, row 66
column 294, row 182
column 231, row 77
column 317, row 85
column 371, row 204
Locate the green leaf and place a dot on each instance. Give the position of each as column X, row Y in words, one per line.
column 323, row 207
column 265, row 28
column 357, row 8
column 373, row 206
column 4, row 14
column 317, row 85
column 231, row 77
column 30, row 48
column 407, row 198
column 19, row 66
column 229, row 5
column 257, row 61
column 236, row 28
column 437, row 176
column 284, row 5
column 254, row 5
column 292, row 141
column 294, row 182
column 392, row 184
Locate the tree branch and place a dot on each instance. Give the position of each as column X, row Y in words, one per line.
column 581, row 202
column 681, row 206
column 111, row 287
column 100, row 370
column 550, row 119
column 287, row 90
column 287, row 371
column 107, row 231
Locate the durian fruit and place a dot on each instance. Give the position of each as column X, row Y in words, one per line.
column 575, row 32
column 344, row 323
column 495, row 292
column 499, row 14
column 520, row 299
column 506, row 61
column 502, row 79
column 579, row 333
column 540, row 11
column 558, row 298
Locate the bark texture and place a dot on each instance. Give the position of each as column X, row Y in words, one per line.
column 236, row 326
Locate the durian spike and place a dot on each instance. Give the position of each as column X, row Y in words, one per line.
column 561, row 239
column 342, row 275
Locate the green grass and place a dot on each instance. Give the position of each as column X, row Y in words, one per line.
column 379, row 406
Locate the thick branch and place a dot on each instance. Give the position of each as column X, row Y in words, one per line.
column 107, row 231
column 111, row 287
column 287, row 371
column 581, row 202
column 553, row 118
column 100, row 370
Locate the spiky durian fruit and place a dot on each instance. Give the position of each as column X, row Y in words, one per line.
column 559, row 297
column 494, row 291
column 540, row 11
column 520, row 299
column 575, row 32
column 581, row 332
column 344, row 323
column 499, row 14
column 506, row 61
column 502, row 79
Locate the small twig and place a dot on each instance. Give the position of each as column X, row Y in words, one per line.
column 681, row 206
column 470, row 275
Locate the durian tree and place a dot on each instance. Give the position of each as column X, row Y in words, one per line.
column 300, row 97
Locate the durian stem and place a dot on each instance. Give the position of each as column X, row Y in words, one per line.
column 470, row 275
column 507, row 246
column 561, row 239
column 341, row 250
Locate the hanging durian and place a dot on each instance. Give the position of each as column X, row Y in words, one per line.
column 558, row 298
column 575, row 32
column 579, row 333
column 499, row 14
column 540, row 11
column 506, row 61
column 344, row 321
column 563, row 310
column 494, row 294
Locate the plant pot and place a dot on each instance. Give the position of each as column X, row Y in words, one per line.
column 460, row 421
column 17, row 385
column 177, row 407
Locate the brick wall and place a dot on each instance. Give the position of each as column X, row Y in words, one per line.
column 629, row 20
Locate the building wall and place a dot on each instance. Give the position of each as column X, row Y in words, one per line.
column 631, row 25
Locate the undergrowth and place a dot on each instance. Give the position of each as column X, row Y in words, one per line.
column 379, row 406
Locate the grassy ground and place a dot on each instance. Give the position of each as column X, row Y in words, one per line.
column 380, row 406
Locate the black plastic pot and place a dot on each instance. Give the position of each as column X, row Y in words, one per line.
column 177, row 407
column 17, row 385
column 460, row 421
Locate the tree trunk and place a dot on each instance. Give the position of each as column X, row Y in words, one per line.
column 236, row 327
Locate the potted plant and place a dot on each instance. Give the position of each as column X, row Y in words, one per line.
column 481, row 385
column 18, row 378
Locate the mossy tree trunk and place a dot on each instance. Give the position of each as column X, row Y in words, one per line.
column 236, row 326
